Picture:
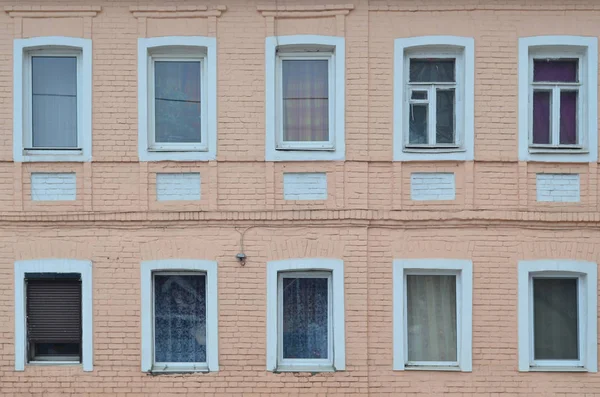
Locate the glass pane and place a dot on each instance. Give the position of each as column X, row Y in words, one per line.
column 180, row 318
column 431, row 318
column 556, row 70
column 417, row 125
column 542, row 105
column 54, row 102
column 444, row 127
column 305, row 100
column 555, row 319
column 305, row 311
column 419, row 95
column 54, row 351
column 568, row 117
column 431, row 70
column 177, row 106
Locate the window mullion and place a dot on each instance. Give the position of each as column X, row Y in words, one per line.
column 555, row 115
column 431, row 123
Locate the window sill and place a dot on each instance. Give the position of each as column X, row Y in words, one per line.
column 433, row 149
column 557, row 369
column 52, row 155
column 558, row 150
column 305, row 368
column 177, row 150
column 431, row 368
column 305, row 149
column 54, row 363
column 183, row 369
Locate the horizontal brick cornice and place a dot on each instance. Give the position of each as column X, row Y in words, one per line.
column 177, row 11
column 52, row 11
column 299, row 11
column 382, row 218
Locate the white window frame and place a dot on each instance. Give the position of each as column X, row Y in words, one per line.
column 84, row 268
column 555, row 47
column 309, row 267
column 24, row 49
column 172, row 48
column 183, row 266
column 463, row 270
column 278, row 48
column 587, row 275
column 462, row 50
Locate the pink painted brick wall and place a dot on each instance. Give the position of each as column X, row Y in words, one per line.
column 367, row 220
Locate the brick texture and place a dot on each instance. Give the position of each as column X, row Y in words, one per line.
column 367, row 219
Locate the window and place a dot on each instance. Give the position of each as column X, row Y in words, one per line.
column 305, row 98
column 557, row 315
column 53, row 313
column 177, row 94
column 305, row 315
column 433, row 110
column 432, row 314
column 179, row 316
column 52, row 114
column 557, row 82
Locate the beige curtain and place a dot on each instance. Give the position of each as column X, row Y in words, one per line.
column 431, row 315
column 305, row 100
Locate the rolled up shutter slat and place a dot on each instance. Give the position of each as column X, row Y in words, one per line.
column 54, row 310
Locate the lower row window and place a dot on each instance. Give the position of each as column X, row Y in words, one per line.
column 53, row 317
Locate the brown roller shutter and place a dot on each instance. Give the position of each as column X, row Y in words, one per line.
column 53, row 310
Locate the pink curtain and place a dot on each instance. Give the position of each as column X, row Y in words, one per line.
column 305, row 100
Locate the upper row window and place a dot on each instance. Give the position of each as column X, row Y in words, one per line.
column 305, row 97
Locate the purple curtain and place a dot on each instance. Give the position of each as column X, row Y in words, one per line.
column 555, row 71
column 568, row 117
column 305, row 100
column 541, row 117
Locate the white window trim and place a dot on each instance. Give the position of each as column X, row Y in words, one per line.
column 336, row 267
column 464, row 48
column 463, row 269
column 21, row 129
column 212, row 327
column 84, row 268
column 587, row 273
column 337, row 151
column 207, row 47
column 561, row 46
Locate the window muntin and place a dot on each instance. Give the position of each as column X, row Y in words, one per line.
column 54, row 317
column 434, row 107
column 556, row 108
column 179, row 305
column 432, row 318
column 52, row 105
column 305, row 103
column 555, row 320
column 305, row 320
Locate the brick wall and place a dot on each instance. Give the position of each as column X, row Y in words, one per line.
column 368, row 218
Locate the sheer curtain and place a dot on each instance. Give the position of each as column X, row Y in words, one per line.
column 305, row 100
column 180, row 318
column 177, row 102
column 54, row 102
column 431, row 317
column 305, row 313
column 555, row 319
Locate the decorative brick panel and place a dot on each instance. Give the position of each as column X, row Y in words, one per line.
column 431, row 186
column 53, row 186
column 305, row 186
column 178, row 186
column 558, row 188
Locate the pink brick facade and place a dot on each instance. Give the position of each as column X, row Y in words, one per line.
column 368, row 219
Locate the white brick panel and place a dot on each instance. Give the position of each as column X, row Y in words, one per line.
column 305, row 186
column 558, row 188
column 178, row 186
column 53, row 186
column 430, row 186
